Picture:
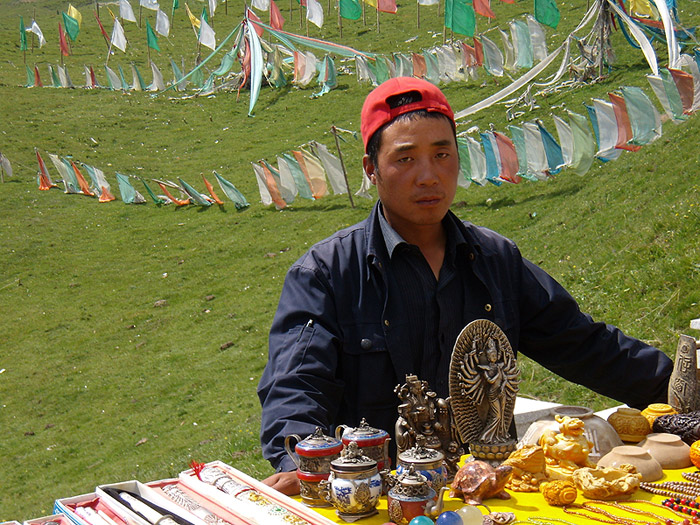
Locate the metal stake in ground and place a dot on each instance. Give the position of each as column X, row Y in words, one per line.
column 342, row 164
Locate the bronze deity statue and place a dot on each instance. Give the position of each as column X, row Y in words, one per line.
column 426, row 419
column 484, row 379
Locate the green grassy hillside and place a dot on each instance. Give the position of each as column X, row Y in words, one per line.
column 99, row 384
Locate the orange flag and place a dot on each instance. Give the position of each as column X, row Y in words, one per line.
column 106, row 196
column 276, row 19
column 479, row 52
column 271, row 184
column 62, row 41
column 684, row 83
column 483, row 7
column 509, row 158
column 624, row 127
column 167, row 194
column 37, row 78
column 45, row 182
column 419, row 67
column 210, row 189
column 81, row 181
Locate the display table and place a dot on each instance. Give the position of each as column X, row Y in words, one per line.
column 527, row 505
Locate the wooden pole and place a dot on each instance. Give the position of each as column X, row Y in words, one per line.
column 33, row 35
column 603, row 23
column 307, row 20
column 340, row 23
column 377, row 17
column 140, row 10
column 97, row 7
column 342, row 164
column 109, row 52
column 301, row 16
column 364, row 10
column 291, row 10
column 418, row 14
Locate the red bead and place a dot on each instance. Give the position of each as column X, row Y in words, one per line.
column 675, row 507
column 693, row 512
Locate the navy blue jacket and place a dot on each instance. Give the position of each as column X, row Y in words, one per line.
column 337, row 342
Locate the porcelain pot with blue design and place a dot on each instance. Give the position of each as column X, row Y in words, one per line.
column 353, row 486
column 426, row 461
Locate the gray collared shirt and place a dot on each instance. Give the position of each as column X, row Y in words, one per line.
column 434, row 307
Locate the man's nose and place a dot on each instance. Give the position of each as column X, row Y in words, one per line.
column 429, row 173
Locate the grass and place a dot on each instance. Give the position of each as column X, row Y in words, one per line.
column 102, row 385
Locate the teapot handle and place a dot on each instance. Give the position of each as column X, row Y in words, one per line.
column 290, row 450
column 339, row 431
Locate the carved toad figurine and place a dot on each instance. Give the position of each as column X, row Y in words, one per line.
column 477, row 481
column 566, row 450
column 529, row 469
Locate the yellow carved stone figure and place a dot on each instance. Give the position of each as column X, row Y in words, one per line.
column 566, row 450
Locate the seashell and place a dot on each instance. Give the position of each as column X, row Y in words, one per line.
column 559, row 492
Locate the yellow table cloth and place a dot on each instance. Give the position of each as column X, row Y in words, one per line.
column 526, row 505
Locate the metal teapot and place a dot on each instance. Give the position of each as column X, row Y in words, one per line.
column 373, row 442
column 411, row 495
column 353, row 486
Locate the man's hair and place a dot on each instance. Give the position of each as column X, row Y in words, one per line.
column 375, row 142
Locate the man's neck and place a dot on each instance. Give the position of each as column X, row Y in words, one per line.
column 431, row 240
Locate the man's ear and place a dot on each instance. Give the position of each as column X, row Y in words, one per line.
column 370, row 169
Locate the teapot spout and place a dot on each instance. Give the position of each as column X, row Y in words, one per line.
column 434, row 508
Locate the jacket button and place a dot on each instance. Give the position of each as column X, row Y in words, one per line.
column 487, row 307
column 386, row 322
column 366, row 344
column 472, row 256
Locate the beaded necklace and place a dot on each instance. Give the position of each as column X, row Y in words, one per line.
column 593, row 507
column 673, row 489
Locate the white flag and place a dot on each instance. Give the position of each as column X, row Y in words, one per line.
column 212, row 7
column 150, row 4
column 35, row 29
column 427, row 2
column 118, row 38
column 162, row 23
column 262, row 5
column 125, row 11
column 314, row 13
column 5, row 163
column 207, row 37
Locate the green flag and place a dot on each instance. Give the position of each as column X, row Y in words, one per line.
column 547, row 13
column 176, row 5
column 350, row 9
column 204, row 15
column 151, row 38
column 460, row 17
column 72, row 26
column 22, row 35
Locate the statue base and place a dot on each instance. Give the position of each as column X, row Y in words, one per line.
column 492, row 453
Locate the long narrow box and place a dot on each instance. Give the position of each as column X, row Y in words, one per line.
column 252, row 501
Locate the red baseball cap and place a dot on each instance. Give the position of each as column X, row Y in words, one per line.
column 376, row 111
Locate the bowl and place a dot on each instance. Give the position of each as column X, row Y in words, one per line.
column 634, row 455
column 668, row 449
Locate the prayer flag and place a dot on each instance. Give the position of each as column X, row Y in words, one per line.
column 125, row 11
column 176, row 5
column 385, row 6
column 537, row 38
column 150, row 4
column 62, row 41
column 624, row 127
column 118, row 38
column 193, row 19
column 428, row 2
column 584, row 144
column 34, row 28
column 566, row 139
column 483, row 8
column 522, row 44
column 262, row 5
column 73, row 12
column 552, row 150
column 536, row 157
column 162, row 23
column 508, row 157
column 212, row 7
column 276, row 18
column 22, row 35
column 151, row 38
column 250, row 15
column 157, row 84
column 72, row 26
column 460, row 17
column 644, row 118
column 350, row 9
column 333, row 167
column 232, row 192
column 207, row 37
column 493, row 58
column 547, row 12
column 314, row 13
column 102, row 29
column 607, row 130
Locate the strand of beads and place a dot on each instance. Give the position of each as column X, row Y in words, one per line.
column 691, row 476
column 672, row 489
column 677, row 504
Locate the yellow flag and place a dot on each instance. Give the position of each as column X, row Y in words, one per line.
column 193, row 19
column 642, row 8
column 73, row 12
column 373, row 3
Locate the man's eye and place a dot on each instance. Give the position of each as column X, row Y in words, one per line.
column 442, row 155
column 405, row 159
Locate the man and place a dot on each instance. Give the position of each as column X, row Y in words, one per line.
column 388, row 296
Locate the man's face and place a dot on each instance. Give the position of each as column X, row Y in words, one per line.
column 416, row 172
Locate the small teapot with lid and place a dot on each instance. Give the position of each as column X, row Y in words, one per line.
column 427, row 461
column 313, row 456
column 410, row 496
column 373, row 442
column 354, row 485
